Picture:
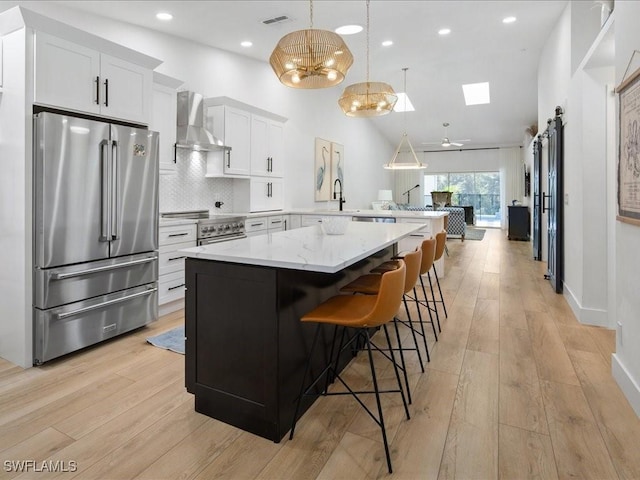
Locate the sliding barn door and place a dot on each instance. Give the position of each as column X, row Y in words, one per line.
column 537, row 201
column 554, row 202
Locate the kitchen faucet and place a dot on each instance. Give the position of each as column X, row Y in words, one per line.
column 340, row 198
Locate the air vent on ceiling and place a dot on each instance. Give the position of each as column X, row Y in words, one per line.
column 280, row 19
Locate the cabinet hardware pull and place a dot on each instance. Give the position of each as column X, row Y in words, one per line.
column 115, row 207
column 105, row 231
column 106, row 92
column 544, row 208
column 60, row 316
column 178, row 234
column 176, row 258
column 228, row 158
column 98, row 90
column 257, row 224
column 177, row 286
column 62, row 276
column 276, row 221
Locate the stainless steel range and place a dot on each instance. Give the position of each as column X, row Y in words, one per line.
column 213, row 228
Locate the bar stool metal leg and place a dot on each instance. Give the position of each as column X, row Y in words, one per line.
column 435, row 270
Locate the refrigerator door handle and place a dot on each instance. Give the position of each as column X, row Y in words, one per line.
column 62, row 276
column 62, row 316
column 114, row 191
column 105, row 207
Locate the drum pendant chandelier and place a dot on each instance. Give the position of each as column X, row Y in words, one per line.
column 367, row 99
column 311, row 58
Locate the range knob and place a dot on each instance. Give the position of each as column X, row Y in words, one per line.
column 227, row 227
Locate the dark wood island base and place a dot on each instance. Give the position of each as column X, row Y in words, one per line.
column 245, row 345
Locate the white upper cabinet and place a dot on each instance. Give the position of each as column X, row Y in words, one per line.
column 233, row 127
column 164, row 119
column 126, row 89
column 266, row 194
column 66, row 75
column 75, row 77
column 266, row 147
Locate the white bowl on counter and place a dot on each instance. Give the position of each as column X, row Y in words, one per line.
column 335, row 224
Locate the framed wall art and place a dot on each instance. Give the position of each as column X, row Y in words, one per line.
column 629, row 150
column 337, row 167
column 322, row 170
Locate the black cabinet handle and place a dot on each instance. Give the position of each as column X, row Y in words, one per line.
column 106, row 92
column 177, row 286
column 545, row 209
column 228, row 158
column 177, row 234
column 175, row 258
column 98, row 90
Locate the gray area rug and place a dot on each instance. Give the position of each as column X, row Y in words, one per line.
column 171, row 340
column 474, row 234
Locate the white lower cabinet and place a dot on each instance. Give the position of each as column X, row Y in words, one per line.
column 293, row 221
column 261, row 225
column 308, row 220
column 171, row 263
column 415, row 239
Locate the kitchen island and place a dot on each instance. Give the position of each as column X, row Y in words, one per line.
column 246, row 347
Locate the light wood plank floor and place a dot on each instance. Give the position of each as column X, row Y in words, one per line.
column 516, row 388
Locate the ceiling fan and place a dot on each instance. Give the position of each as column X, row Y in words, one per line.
column 445, row 142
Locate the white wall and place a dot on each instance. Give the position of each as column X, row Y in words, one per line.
column 15, row 208
column 590, row 246
column 310, row 113
column 626, row 364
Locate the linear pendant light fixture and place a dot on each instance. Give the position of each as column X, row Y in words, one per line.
column 405, row 159
column 368, row 99
column 311, row 58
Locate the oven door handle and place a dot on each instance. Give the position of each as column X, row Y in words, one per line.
column 62, row 316
column 62, row 276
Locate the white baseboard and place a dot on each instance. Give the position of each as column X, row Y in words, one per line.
column 626, row 382
column 170, row 307
column 586, row 316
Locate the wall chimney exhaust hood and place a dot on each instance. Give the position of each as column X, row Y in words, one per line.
column 191, row 133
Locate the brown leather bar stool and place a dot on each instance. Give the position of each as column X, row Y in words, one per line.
column 445, row 220
column 370, row 284
column 360, row 312
column 428, row 255
column 441, row 243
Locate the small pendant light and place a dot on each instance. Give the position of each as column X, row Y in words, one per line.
column 405, row 159
column 367, row 99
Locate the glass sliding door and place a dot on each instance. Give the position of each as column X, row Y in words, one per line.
column 480, row 190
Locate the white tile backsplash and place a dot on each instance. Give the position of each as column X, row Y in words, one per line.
column 189, row 189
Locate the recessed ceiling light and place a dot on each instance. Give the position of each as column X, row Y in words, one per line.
column 348, row 29
column 476, row 93
column 444, row 31
column 166, row 16
column 509, row 19
column 246, row 44
column 387, row 43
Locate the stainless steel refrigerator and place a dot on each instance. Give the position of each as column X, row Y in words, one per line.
column 95, row 232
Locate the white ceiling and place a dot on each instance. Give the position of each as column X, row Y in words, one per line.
column 480, row 48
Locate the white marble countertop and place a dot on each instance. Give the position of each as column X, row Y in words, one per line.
column 348, row 213
column 166, row 222
column 307, row 248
